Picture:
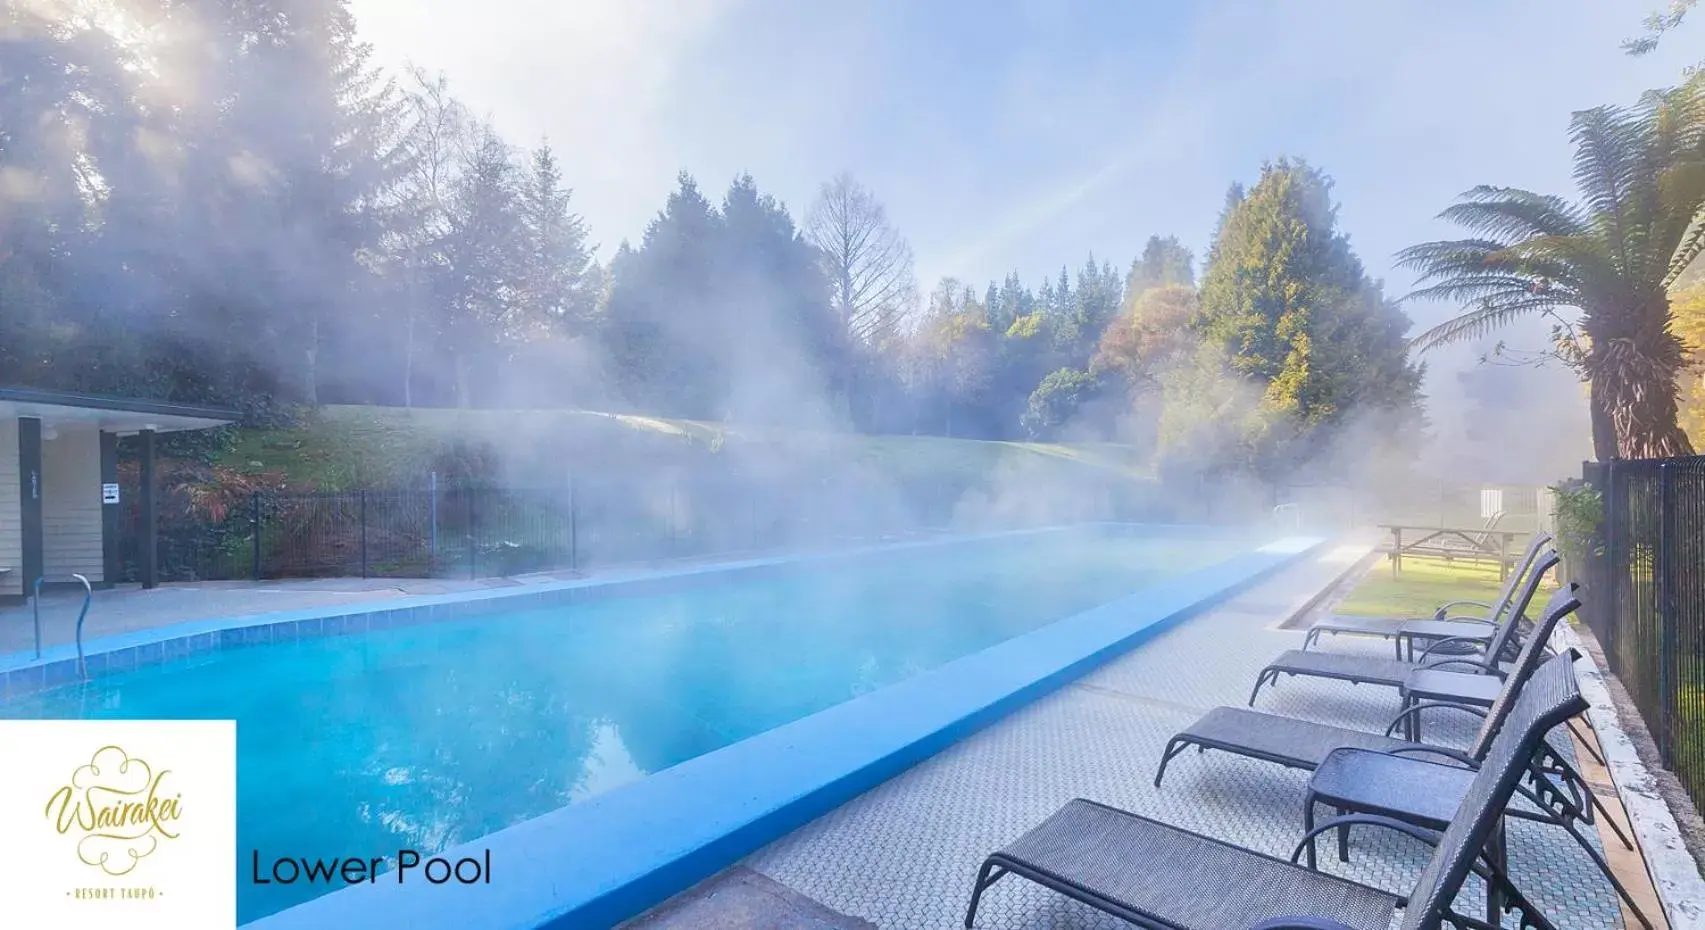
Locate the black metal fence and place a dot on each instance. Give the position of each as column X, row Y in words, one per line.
column 474, row 532
column 1645, row 598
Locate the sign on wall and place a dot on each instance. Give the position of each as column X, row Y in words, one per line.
column 109, row 493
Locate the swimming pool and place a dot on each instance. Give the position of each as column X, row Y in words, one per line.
column 429, row 736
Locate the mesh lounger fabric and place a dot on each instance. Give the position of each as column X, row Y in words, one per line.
column 1304, row 744
column 1449, row 629
column 1346, row 667
column 1549, row 698
column 1183, row 879
column 1363, row 624
column 1300, row 744
column 1428, row 793
column 1161, row 876
column 1391, row 672
column 1439, row 684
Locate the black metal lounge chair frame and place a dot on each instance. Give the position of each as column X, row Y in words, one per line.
column 1561, row 605
column 1391, row 672
column 1489, row 868
column 1579, row 806
column 1462, row 848
column 1392, row 628
column 1558, row 791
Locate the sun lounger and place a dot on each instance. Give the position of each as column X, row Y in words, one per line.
column 1391, row 673
column 1393, row 628
column 1445, row 622
column 1159, row 876
column 1427, row 794
column 1304, row 744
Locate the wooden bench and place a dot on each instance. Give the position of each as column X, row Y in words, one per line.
column 1451, row 544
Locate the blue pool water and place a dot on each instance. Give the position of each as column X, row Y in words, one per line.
column 428, row 736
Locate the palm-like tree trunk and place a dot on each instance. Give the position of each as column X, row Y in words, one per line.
column 1632, row 371
column 1611, row 258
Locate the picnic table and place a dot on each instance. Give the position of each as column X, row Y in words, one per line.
column 1451, row 543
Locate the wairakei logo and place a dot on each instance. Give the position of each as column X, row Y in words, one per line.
column 119, row 808
column 118, row 823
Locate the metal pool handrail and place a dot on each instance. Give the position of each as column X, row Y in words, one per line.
column 88, row 596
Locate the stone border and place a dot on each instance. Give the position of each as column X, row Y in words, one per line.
column 1674, row 873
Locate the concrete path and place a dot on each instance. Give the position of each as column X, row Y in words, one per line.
column 128, row 608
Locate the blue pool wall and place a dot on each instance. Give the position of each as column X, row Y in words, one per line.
column 598, row 862
column 22, row 674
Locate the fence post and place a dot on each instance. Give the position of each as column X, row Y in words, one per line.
column 473, row 551
column 1664, row 564
column 363, row 499
column 1612, row 556
column 254, row 523
column 432, row 544
column 573, row 528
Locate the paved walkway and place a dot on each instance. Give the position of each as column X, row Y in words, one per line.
column 904, row 854
column 128, row 608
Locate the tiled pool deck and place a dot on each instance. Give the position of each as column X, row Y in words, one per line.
column 904, row 854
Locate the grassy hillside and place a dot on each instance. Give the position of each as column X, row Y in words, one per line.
column 350, row 447
column 552, row 488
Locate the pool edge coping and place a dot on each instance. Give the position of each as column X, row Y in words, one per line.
column 23, row 659
column 807, row 769
column 22, row 674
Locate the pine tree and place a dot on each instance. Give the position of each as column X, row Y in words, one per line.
column 557, row 281
column 656, row 312
column 787, row 348
column 485, row 318
column 1288, row 303
column 1164, row 262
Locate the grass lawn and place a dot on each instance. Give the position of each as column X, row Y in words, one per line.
column 1424, row 584
column 339, row 448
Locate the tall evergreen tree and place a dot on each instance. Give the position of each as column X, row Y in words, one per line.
column 1290, row 306
column 484, row 318
column 1164, row 262
column 785, row 346
column 558, row 281
column 655, row 313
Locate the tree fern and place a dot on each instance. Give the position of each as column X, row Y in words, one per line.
column 1638, row 226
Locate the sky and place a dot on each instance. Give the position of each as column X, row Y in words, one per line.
column 1023, row 135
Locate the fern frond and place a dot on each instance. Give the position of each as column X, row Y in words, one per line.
column 1607, row 165
column 1469, row 326
column 1508, row 214
column 1691, row 245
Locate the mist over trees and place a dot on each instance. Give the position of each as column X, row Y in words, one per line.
column 1296, row 317
column 725, row 313
column 232, row 205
